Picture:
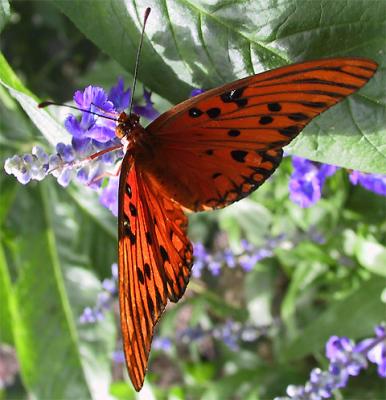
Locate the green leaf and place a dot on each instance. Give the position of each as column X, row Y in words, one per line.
column 195, row 43
column 6, row 335
column 44, row 332
column 305, row 273
column 52, row 130
column 5, row 13
column 47, row 303
column 355, row 316
column 91, row 242
column 246, row 219
column 372, row 256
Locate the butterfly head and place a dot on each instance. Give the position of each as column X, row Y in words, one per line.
column 126, row 124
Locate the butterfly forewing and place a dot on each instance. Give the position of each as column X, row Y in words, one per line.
column 155, row 259
column 228, row 140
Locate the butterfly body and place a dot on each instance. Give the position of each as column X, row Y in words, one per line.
column 206, row 153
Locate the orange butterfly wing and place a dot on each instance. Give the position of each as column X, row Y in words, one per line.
column 218, row 147
column 207, row 152
column 155, row 259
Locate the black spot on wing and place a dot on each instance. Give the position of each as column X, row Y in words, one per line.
column 127, row 230
column 140, row 276
column 265, row 120
column 239, row 155
column 150, row 305
column 149, row 238
column 298, row 117
column 233, row 132
column 241, row 102
column 195, row 112
column 164, row 253
column 213, row 112
column 274, row 107
column 314, row 104
column 133, row 210
column 289, row 130
column 147, row 270
column 232, row 95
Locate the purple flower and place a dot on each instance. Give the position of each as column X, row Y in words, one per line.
column 229, row 333
column 377, row 353
column 200, row 259
column 91, row 133
column 374, row 182
column 119, row 357
column 104, row 301
column 196, row 92
column 91, row 126
column 162, row 343
column 109, row 195
column 346, row 359
column 229, row 258
column 114, row 271
column 119, row 97
column 307, row 181
column 147, row 111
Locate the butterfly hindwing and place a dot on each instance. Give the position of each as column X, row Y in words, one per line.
column 155, row 258
column 228, row 141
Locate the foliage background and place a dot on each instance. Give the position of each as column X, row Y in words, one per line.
column 56, row 244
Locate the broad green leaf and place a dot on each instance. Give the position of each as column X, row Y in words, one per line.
column 354, row 316
column 44, row 332
column 45, row 310
column 205, row 44
column 52, row 130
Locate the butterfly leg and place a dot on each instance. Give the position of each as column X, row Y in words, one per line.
column 107, row 174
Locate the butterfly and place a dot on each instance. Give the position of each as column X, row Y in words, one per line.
column 205, row 153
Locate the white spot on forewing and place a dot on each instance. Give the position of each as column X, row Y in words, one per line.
column 125, row 144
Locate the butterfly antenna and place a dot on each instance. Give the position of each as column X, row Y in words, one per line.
column 44, row 104
column 146, row 15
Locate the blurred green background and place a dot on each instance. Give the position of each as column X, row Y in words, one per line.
column 326, row 275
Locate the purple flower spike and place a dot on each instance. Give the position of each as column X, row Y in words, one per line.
column 376, row 354
column 346, row 359
column 104, row 301
column 374, row 182
column 90, row 134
